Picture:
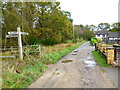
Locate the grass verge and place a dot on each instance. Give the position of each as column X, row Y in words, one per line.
column 23, row 79
column 56, row 56
column 100, row 60
column 13, row 79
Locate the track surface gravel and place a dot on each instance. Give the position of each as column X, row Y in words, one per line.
column 74, row 73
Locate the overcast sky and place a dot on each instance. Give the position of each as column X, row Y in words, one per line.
column 91, row 11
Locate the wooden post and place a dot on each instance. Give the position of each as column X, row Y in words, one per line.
column 39, row 51
column 110, row 55
column 20, row 43
column 5, row 44
column 18, row 34
column 115, row 54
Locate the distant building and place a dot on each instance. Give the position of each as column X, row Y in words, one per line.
column 113, row 37
column 101, row 34
column 108, row 36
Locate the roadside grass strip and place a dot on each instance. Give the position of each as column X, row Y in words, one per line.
column 23, row 79
column 54, row 57
column 99, row 59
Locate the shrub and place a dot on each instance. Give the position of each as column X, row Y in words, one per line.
column 33, row 40
column 99, row 39
column 76, row 40
column 93, row 41
column 48, row 41
column 68, row 41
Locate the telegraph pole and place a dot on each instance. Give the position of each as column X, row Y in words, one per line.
column 73, row 31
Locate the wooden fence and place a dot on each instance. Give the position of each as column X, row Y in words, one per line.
column 111, row 53
column 27, row 50
column 117, row 54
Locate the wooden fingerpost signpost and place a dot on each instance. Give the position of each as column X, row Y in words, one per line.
column 18, row 34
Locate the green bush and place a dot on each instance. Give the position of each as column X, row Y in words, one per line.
column 33, row 40
column 76, row 40
column 48, row 41
column 99, row 39
column 68, row 41
column 93, row 41
column 94, row 38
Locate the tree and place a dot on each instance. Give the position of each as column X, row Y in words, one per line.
column 42, row 20
column 84, row 32
column 68, row 14
column 50, row 16
column 92, row 27
column 115, row 27
column 17, row 14
column 104, row 26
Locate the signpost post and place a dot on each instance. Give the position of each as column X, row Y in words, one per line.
column 13, row 34
column 20, row 43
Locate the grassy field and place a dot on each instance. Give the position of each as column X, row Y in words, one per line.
column 100, row 60
column 20, row 73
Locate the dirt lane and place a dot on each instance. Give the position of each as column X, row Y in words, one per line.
column 75, row 73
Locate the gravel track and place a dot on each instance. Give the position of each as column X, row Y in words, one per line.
column 75, row 73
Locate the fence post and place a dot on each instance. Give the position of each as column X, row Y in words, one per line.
column 95, row 46
column 110, row 55
column 117, row 54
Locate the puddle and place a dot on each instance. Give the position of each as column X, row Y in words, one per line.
column 74, row 53
column 90, row 63
column 89, row 57
column 56, row 69
column 76, row 50
column 87, row 68
column 86, row 83
column 56, row 73
column 66, row 61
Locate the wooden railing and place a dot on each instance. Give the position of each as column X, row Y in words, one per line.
column 109, row 52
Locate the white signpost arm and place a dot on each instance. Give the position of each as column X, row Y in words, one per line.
column 20, row 43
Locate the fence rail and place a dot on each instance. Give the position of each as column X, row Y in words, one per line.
column 26, row 50
column 111, row 53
